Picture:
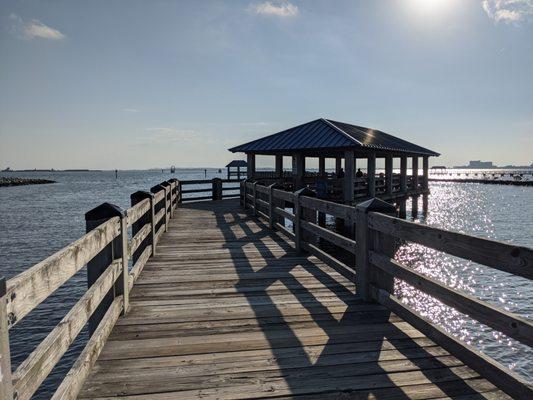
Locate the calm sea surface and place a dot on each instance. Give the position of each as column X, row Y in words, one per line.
column 36, row 221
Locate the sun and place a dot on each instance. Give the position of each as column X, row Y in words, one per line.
column 430, row 6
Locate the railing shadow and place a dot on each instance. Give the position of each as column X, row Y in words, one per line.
column 351, row 359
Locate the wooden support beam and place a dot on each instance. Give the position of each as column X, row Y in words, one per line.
column 414, row 168
column 298, row 170
column 425, row 169
column 147, row 218
column 371, row 173
column 366, row 240
column 321, row 166
column 250, row 168
column 97, row 266
column 6, row 385
column 403, row 174
column 388, row 174
column 279, row 167
column 216, row 184
column 338, row 165
column 349, row 177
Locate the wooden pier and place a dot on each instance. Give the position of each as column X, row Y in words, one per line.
column 219, row 299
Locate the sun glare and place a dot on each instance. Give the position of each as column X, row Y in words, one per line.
column 430, row 6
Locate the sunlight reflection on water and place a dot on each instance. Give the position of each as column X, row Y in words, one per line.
column 501, row 213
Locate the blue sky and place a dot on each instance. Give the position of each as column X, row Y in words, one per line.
column 133, row 84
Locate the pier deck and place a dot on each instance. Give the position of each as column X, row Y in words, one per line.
column 227, row 309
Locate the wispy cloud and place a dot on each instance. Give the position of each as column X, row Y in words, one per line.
column 509, row 11
column 33, row 29
column 281, row 9
column 130, row 110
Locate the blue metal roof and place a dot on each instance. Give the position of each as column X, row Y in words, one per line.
column 328, row 134
column 237, row 163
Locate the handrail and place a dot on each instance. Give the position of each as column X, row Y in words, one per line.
column 377, row 232
column 107, row 227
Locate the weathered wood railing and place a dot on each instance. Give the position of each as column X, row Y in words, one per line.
column 107, row 251
column 216, row 188
column 376, row 234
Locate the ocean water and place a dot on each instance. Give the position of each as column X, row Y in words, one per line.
column 36, row 221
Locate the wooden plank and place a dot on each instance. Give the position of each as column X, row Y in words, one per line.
column 330, row 236
column 36, row 367
column 137, row 211
column 139, row 237
column 284, row 230
column 517, row 260
column 283, row 195
column 159, row 216
column 138, row 266
column 511, row 324
column 510, row 382
column 347, row 213
column 262, row 189
column 28, row 289
column 331, row 261
column 74, row 379
column 159, row 196
column 159, row 233
column 284, row 213
column 6, row 386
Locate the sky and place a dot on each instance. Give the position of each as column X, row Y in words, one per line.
column 142, row 84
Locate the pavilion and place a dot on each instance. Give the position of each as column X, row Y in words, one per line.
column 324, row 138
column 234, row 168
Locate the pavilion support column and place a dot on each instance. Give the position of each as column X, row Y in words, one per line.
column 298, row 170
column 321, row 167
column 229, row 175
column 415, row 173
column 425, row 168
column 388, row 174
column 238, row 173
column 371, row 172
column 250, row 168
column 403, row 174
column 279, row 168
column 338, row 165
column 349, row 177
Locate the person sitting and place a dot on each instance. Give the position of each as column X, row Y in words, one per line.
column 340, row 174
column 359, row 173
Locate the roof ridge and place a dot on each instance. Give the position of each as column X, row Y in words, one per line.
column 327, row 121
column 273, row 134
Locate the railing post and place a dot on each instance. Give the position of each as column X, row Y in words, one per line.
column 6, row 385
column 366, row 240
column 173, row 195
column 255, row 199
column 271, row 205
column 156, row 189
column 102, row 260
column 243, row 193
column 180, row 197
column 168, row 204
column 217, row 189
column 297, row 227
column 300, row 214
column 147, row 218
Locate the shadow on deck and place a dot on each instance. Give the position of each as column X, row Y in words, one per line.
column 227, row 309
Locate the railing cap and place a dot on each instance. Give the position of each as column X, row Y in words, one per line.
column 376, row 205
column 305, row 192
column 104, row 211
column 165, row 184
column 3, row 286
column 141, row 195
column 157, row 188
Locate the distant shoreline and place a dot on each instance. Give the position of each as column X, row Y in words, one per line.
column 5, row 182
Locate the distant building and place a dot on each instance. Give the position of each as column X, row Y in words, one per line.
column 480, row 164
